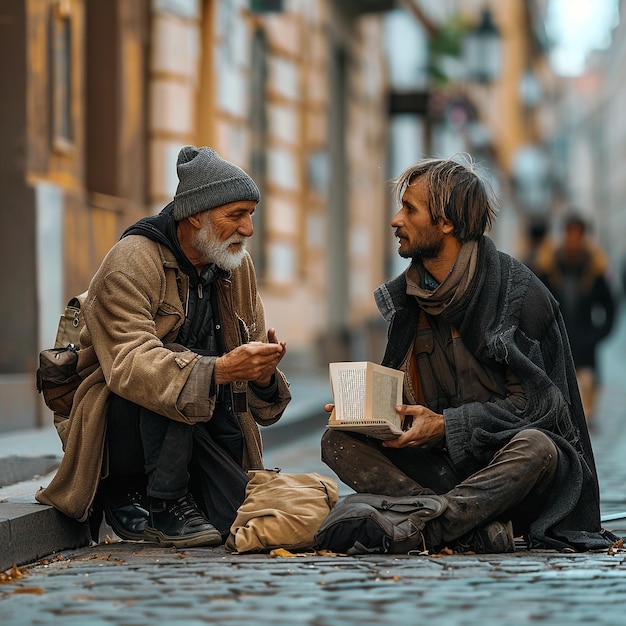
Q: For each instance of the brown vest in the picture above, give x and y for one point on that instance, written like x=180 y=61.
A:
x=443 y=373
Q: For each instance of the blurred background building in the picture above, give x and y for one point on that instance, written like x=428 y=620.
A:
x=322 y=101
x=589 y=142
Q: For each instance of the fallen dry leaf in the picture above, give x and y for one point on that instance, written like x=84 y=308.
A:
x=281 y=552
x=38 y=591
x=13 y=574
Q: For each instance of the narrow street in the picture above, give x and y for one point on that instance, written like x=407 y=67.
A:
x=135 y=583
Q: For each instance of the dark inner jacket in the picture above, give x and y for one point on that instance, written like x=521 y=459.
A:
x=507 y=316
x=200 y=331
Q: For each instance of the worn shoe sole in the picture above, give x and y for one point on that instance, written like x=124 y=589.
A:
x=207 y=538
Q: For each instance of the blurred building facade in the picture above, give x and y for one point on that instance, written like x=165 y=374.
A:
x=590 y=138
x=502 y=112
x=307 y=95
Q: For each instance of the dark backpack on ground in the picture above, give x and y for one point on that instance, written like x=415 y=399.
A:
x=366 y=523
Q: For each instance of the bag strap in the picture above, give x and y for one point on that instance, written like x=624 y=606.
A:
x=70 y=324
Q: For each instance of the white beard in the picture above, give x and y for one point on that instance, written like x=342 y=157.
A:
x=219 y=252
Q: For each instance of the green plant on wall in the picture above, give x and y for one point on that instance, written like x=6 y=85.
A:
x=445 y=43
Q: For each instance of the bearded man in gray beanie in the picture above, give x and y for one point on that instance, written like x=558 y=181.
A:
x=178 y=369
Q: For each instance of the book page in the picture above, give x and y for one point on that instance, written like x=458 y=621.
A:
x=385 y=397
x=348 y=386
x=366 y=393
x=365 y=396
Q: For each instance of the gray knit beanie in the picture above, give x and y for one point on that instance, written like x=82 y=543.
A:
x=207 y=181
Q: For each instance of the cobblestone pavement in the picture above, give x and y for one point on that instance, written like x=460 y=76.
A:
x=137 y=584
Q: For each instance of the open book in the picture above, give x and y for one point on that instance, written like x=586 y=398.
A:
x=366 y=395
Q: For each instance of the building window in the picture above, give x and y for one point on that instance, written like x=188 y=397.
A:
x=61 y=41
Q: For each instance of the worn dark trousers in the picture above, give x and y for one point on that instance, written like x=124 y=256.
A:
x=513 y=486
x=171 y=458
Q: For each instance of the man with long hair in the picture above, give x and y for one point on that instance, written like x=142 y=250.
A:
x=498 y=440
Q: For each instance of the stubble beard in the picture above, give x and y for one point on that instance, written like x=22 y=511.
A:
x=219 y=252
x=422 y=251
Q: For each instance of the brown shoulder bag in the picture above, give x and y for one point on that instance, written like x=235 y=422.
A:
x=57 y=378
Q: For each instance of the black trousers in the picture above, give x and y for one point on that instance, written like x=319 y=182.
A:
x=172 y=458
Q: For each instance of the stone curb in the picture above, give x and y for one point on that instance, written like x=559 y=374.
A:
x=31 y=531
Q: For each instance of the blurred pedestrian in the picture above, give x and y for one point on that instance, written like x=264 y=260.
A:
x=576 y=273
x=498 y=437
x=178 y=369
x=539 y=244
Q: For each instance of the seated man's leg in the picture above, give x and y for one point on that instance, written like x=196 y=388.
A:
x=360 y=463
x=175 y=519
x=521 y=473
x=514 y=486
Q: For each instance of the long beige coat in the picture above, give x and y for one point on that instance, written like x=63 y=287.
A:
x=136 y=305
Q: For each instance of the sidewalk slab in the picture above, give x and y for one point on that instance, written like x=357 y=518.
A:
x=31 y=442
x=15 y=469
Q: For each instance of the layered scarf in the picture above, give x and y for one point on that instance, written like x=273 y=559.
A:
x=453 y=286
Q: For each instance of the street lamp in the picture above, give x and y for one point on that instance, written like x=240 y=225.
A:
x=482 y=50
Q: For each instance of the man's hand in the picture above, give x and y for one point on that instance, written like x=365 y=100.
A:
x=426 y=427
x=255 y=361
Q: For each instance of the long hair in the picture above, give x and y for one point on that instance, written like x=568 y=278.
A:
x=456 y=191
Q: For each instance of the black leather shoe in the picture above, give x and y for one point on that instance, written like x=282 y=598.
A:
x=180 y=523
x=126 y=515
